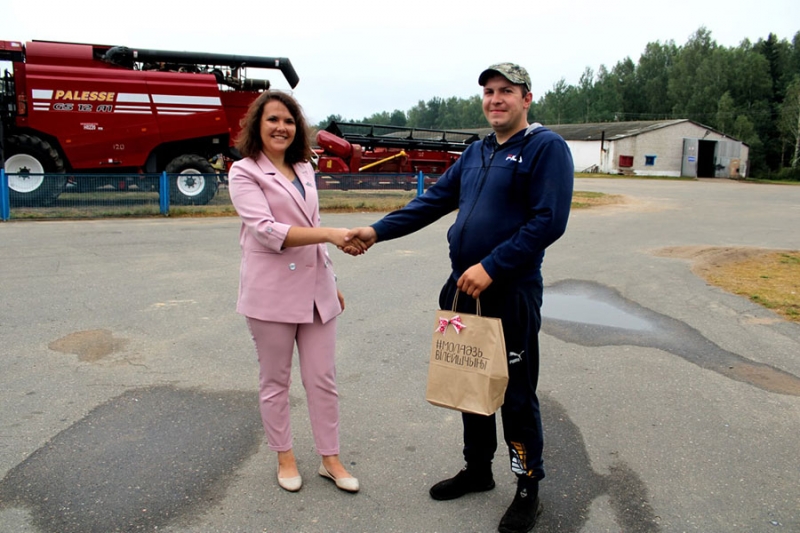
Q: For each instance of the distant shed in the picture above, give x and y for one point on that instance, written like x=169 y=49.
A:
x=679 y=147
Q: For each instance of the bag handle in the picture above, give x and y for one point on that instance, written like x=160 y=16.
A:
x=477 y=304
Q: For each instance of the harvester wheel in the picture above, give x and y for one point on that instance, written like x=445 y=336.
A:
x=27 y=156
x=195 y=183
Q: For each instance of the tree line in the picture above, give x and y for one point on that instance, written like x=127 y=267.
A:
x=750 y=92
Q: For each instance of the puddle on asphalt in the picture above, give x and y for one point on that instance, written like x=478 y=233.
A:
x=577 y=308
x=591 y=314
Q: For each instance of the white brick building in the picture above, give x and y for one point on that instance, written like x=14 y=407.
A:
x=653 y=148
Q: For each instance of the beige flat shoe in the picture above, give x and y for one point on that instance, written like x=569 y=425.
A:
x=347 y=484
x=292 y=484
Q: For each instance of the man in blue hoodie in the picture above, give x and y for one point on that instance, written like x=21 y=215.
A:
x=513 y=191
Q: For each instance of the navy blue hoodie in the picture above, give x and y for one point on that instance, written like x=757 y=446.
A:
x=513 y=201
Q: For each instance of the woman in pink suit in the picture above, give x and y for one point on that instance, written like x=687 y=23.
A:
x=287 y=288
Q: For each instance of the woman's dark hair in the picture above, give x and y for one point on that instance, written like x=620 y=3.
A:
x=249 y=140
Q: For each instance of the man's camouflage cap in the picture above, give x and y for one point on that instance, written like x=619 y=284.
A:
x=510 y=71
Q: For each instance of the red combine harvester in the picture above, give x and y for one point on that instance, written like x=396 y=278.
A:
x=102 y=111
x=353 y=156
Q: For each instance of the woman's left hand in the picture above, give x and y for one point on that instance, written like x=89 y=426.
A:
x=341 y=298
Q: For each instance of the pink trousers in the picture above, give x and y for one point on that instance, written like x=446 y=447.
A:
x=316 y=346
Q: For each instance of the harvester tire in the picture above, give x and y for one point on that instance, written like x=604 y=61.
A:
x=27 y=156
x=195 y=183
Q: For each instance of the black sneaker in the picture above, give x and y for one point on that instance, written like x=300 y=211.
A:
x=522 y=513
x=463 y=483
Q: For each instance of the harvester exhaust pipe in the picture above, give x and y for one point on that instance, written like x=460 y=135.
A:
x=122 y=55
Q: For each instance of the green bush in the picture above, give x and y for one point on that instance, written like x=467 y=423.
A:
x=788 y=174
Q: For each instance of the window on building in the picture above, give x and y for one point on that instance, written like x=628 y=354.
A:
x=625 y=161
x=649 y=160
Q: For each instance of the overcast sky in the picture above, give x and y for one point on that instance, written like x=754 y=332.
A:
x=356 y=58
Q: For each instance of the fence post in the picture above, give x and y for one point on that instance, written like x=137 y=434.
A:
x=420 y=184
x=5 y=206
x=163 y=194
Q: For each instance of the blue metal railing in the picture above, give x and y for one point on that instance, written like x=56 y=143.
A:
x=378 y=180
x=5 y=205
x=163 y=194
x=163 y=187
x=420 y=182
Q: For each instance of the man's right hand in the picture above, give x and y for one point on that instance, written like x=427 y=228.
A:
x=366 y=235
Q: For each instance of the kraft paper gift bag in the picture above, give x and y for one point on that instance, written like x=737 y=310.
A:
x=467 y=370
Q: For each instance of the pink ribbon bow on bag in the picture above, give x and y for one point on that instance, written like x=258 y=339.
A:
x=455 y=321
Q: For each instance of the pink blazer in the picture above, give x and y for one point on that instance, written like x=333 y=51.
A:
x=279 y=284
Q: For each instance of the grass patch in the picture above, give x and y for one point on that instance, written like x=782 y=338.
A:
x=187 y=211
x=634 y=177
x=95 y=204
x=124 y=204
x=333 y=201
x=771 y=280
x=586 y=199
x=769 y=182
x=380 y=201
x=77 y=213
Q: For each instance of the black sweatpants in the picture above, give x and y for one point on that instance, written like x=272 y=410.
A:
x=519 y=308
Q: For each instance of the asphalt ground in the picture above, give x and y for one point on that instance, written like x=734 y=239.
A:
x=128 y=382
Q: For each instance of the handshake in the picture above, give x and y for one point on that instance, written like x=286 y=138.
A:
x=354 y=241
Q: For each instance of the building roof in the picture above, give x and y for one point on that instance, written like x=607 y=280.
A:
x=613 y=130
